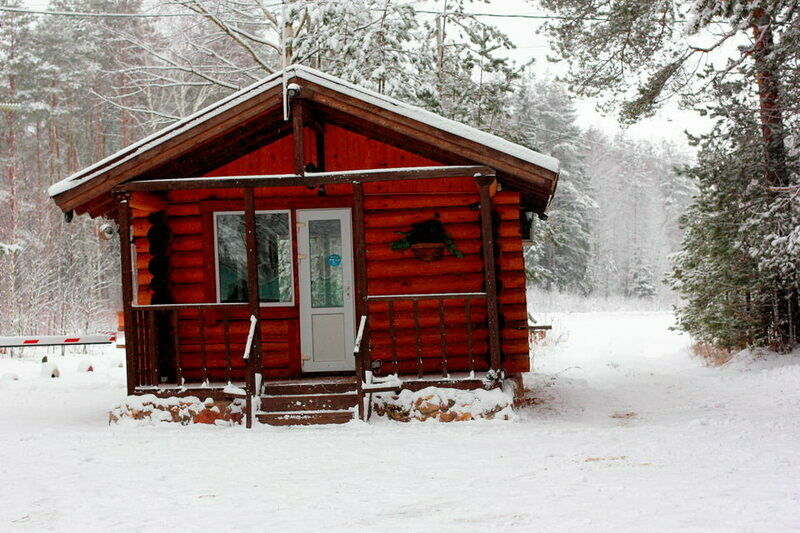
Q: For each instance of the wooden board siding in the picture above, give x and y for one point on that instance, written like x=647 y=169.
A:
x=389 y=207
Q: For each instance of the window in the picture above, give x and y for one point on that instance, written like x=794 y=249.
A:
x=274 y=257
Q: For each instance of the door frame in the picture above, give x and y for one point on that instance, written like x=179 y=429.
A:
x=305 y=311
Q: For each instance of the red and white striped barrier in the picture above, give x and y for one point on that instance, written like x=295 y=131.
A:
x=57 y=340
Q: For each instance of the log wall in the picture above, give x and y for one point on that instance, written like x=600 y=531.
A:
x=389 y=207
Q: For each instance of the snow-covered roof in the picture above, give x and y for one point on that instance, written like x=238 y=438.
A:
x=321 y=79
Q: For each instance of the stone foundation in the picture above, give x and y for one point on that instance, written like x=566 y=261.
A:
x=444 y=405
x=184 y=410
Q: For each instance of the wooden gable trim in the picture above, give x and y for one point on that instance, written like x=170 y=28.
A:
x=171 y=149
x=428 y=134
x=193 y=152
x=309 y=178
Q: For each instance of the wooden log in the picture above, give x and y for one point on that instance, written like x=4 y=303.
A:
x=142 y=245
x=512 y=280
x=432 y=365
x=184 y=243
x=506 y=197
x=404 y=218
x=411 y=267
x=457 y=231
x=270 y=329
x=418 y=201
x=140 y=227
x=147 y=201
x=443 y=185
x=513 y=312
x=425 y=304
x=144 y=295
x=187 y=275
x=407 y=352
x=178 y=196
x=508 y=229
x=143 y=260
x=429 y=336
x=517 y=363
x=429 y=319
x=302 y=192
x=508 y=212
x=509 y=334
x=182 y=210
x=189 y=293
x=382 y=251
x=432 y=284
x=511 y=262
x=510 y=245
x=143 y=277
x=511 y=297
x=188 y=259
x=185 y=225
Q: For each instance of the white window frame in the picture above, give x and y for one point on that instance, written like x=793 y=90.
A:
x=288 y=212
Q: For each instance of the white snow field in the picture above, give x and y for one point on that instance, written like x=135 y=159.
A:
x=633 y=434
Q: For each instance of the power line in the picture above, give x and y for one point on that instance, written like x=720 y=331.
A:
x=98 y=14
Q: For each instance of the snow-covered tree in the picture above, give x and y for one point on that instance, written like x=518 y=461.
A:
x=561 y=253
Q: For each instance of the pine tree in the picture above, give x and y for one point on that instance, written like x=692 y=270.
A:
x=642 y=284
x=737 y=271
x=562 y=250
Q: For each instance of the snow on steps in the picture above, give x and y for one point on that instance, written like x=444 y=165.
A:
x=320 y=402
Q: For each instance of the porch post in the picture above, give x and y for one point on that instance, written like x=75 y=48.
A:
x=362 y=305
x=487 y=238
x=124 y=220
x=251 y=243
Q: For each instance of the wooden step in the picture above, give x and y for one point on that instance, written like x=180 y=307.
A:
x=308 y=402
x=304 y=418
x=294 y=388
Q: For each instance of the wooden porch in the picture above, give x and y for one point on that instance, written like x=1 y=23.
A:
x=315 y=400
x=228 y=342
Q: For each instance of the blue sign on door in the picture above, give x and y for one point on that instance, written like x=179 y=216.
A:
x=334 y=260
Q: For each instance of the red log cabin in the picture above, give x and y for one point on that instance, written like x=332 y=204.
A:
x=257 y=248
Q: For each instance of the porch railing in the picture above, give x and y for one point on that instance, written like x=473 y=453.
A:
x=437 y=308
x=197 y=342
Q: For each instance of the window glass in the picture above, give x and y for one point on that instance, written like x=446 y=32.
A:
x=274 y=257
x=325 y=244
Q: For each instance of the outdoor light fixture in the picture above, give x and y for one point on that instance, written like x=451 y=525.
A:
x=322 y=191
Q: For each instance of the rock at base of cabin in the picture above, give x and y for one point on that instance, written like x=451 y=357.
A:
x=182 y=410
x=444 y=404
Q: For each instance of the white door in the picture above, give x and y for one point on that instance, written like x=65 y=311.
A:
x=327 y=312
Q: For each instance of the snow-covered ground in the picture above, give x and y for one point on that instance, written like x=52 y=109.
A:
x=632 y=434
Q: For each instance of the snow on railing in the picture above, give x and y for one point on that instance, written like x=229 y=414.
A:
x=250 y=334
x=360 y=335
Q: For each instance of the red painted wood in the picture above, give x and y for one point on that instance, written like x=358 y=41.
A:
x=389 y=207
